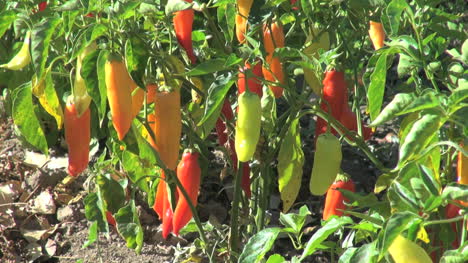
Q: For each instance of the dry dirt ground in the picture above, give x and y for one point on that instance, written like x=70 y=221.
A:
x=42 y=215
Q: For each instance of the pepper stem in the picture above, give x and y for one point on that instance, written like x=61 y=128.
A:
x=234 y=231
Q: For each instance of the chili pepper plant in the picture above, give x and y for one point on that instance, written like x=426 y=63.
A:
x=284 y=90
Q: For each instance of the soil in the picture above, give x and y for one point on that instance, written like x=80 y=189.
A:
x=30 y=232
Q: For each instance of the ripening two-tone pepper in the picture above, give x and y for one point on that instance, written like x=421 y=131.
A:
x=167 y=129
x=376 y=34
x=243 y=7
x=168 y=126
x=183 y=22
x=273 y=37
x=78 y=137
x=247 y=125
x=335 y=200
x=22 y=58
x=119 y=94
x=327 y=161
x=80 y=92
x=189 y=175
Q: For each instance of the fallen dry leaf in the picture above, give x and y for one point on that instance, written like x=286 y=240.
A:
x=51 y=247
x=43 y=204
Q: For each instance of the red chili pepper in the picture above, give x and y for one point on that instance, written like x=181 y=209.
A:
x=335 y=199
x=336 y=94
x=42 y=5
x=161 y=195
x=335 y=91
x=110 y=219
x=254 y=83
x=189 y=173
x=167 y=219
x=293 y=2
x=77 y=136
x=183 y=22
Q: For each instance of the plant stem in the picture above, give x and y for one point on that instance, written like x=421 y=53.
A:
x=443 y=221
x=213 y=27
x=234 y=231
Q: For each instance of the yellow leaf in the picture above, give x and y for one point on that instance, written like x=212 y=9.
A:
x=45 y=92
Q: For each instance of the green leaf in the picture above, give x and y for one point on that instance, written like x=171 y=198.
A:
x=318 y=237
x=356 y=199
x=26 y=120
x=148 y=9
x=376 y=89
x=426 y=101
x=40 y=41
x=419 y=136
x=406 y=65
x=396 y=224
x=276 y=258
x=7 y=17
x=92 y=234
x=226 y=14
x=430 y=180
x=125 y=10
x=136 y=58
x=70 y=5
x=295 y=221
x=406 y=195
x=365 y=253
x=432 y=203
x=136 y=168
x=453 y=256
x=392 y=16
x=406 y=125
x=290 y=163
x=210 y=66
x=458 y=95
x=454 y=191
x=176 y=5
x=101 y=76
x=258 y=245
x=112 y=192
x=347 y=255
x=129 y=227
x=95 y=211
x=399 y=102
x=383 y=182
x=216 y=95
x=89 y=36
